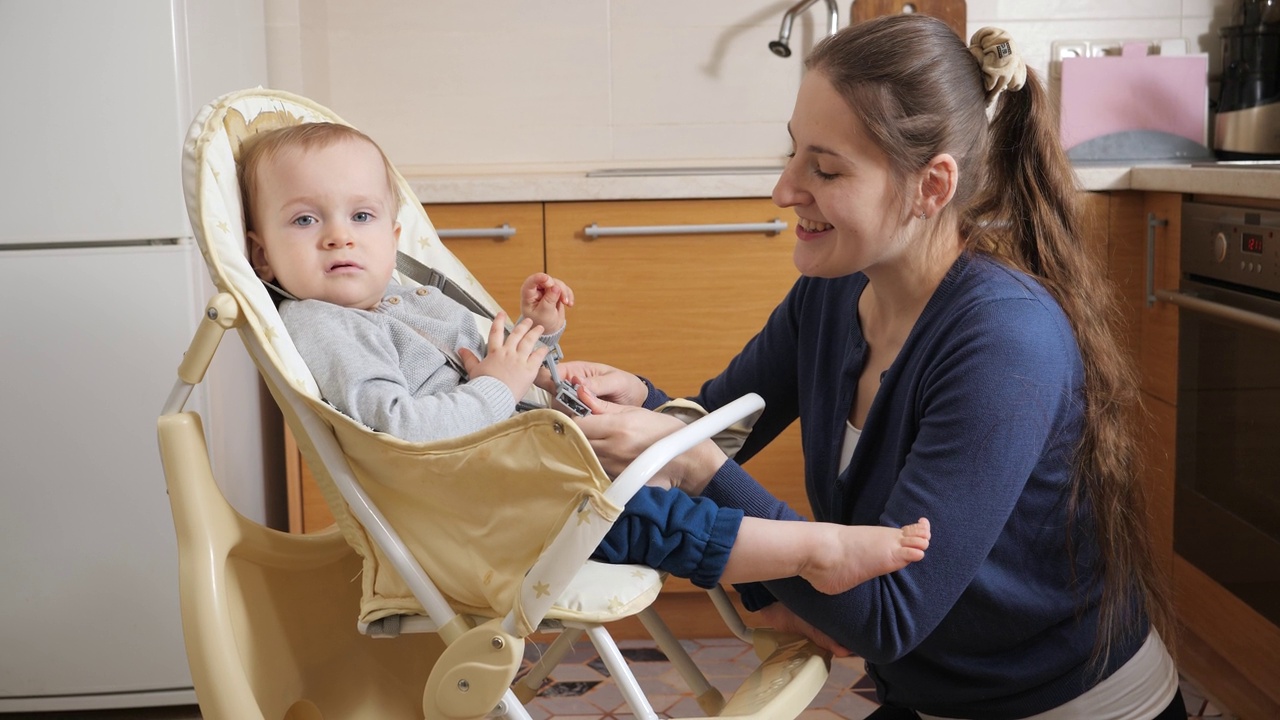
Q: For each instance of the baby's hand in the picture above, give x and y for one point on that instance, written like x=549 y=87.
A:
x=543 y=299
x=514 y=360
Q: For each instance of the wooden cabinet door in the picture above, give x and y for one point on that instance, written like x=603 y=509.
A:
x=499 y=263
x=676 y=308
x=1158 y=359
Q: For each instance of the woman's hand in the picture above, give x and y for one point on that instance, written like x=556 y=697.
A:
x=619 y=433
x=605 y=382
x=780 y=618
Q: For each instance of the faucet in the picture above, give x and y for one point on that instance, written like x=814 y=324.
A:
x=780 y=47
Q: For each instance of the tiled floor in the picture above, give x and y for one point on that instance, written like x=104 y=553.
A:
x=580 y=688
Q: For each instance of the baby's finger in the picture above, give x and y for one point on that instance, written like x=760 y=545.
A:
x=469 y=360
x=497 y=330
x=518 y=332
x=539 y=354
x=529 y=340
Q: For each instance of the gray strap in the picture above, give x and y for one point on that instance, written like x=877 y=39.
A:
x=425 y=275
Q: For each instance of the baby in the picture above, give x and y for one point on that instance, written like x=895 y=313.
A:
x=320 y=209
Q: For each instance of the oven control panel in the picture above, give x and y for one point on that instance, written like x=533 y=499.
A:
x=1233 y=244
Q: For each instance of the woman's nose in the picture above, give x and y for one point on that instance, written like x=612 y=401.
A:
x=785 y=191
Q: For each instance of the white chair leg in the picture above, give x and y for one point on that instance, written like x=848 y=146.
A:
x=622 y=674
x=510 y=708
x=527 y=688
x=709 y=698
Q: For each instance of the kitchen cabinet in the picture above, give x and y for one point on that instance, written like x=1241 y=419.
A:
x=1135 y=221
x=1229 y=650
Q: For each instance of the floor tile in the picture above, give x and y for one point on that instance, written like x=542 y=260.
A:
x=848 y=695
x=580 y=689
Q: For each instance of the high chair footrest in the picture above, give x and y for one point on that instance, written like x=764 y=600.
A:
x=782 y=686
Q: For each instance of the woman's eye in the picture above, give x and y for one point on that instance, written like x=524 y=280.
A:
x=362 y=217
x=817 y=172
x=304 y=221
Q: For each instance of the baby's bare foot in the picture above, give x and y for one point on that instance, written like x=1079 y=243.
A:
x=857 y=553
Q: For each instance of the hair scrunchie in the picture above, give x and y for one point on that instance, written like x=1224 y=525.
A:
x=1002 y=64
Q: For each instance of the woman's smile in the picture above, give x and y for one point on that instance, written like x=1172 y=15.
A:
x=808 y=230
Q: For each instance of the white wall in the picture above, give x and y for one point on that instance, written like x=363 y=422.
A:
x=465 y=86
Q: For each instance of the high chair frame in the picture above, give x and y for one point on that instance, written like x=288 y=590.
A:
x=459 y=660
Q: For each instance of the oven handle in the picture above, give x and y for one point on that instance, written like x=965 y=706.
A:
x=1153 y=222
x=1218 y=310
x=1191 y=302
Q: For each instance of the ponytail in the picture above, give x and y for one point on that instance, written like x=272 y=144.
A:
x=1031 y=219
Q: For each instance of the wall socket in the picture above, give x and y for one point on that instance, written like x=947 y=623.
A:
x=1059 y=50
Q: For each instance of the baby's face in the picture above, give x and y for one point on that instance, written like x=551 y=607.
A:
x=326 y=224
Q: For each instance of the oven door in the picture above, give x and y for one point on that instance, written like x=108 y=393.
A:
x=1227 y=497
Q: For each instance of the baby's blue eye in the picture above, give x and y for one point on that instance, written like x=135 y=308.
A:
x=304 y=221
x=362 y=216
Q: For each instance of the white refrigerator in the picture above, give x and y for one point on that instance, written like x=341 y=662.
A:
x=101 y=287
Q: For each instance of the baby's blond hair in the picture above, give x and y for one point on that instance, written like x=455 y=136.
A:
x=261 y=148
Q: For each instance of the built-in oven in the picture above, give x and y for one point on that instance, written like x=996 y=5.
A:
x=1227 y=488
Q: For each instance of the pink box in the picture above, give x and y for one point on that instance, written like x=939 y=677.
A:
x=1134 y=91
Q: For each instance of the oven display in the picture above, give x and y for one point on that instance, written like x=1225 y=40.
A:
x=1251 y=243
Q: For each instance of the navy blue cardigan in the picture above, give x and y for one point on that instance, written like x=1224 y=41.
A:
x=975 y=427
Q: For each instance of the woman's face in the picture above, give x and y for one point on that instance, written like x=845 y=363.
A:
x=839 y=184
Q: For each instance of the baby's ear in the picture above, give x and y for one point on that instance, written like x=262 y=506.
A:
x=258 y=258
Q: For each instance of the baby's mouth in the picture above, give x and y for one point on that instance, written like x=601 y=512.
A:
x=344 y=265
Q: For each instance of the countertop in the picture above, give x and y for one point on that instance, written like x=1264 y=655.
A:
x=675 y=183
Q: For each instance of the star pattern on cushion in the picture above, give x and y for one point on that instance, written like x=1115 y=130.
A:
x=540 y=589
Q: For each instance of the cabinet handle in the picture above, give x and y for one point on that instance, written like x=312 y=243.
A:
x=1152 y=223
x=503 y=231
x=1218 y=310
x=769 y=228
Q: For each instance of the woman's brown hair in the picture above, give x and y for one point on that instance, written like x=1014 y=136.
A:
x=919 y=93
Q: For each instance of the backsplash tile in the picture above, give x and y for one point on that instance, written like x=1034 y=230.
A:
x=589 y=83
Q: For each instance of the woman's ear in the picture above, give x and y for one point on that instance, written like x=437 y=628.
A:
x=938 y=182
x=258 y=258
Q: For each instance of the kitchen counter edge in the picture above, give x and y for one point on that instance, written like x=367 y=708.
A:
x=574 y=186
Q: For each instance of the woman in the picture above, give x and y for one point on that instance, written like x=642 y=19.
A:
x=949 y=351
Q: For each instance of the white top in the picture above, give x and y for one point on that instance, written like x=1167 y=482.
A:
x=851 y=435
x=1139 y=690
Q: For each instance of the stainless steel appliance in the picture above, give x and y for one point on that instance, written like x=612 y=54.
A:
x=1227 y=496
x=101 y=285
x=1247 y=124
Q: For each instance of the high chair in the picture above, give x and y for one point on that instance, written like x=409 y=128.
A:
x=446 y=555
